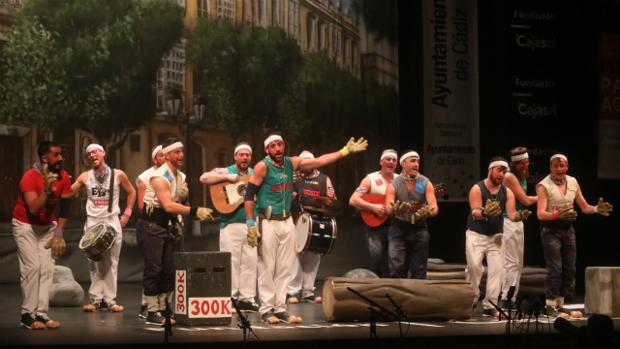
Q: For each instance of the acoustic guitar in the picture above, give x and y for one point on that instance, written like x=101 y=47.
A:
x=227 y=196
x=373 y=220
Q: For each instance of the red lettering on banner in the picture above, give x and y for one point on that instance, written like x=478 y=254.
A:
x=209 y=307
x=225 y=307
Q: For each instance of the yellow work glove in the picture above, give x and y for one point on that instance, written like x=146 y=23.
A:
x=354 y=146
x=57 y=244
x=603 y=208
x=252 y=232
x=400 y=207
x=567 y=213
x=204 y=213
x=491 y=208
x=182 y=192
x=522 y=215
x=423 y=213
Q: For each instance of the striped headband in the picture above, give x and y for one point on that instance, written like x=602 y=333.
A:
x=156 y=150
x=273 y=138
x=94 y=146
x=408 y=155
x=519 y=157
x=242 y=146
x=171 y=147
x=496 y=163
x=558 y=156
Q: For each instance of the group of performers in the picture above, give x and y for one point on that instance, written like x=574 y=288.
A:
x=260 y=233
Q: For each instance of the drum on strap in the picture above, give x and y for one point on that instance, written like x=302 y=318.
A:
x=96 y=240
x=315 y=233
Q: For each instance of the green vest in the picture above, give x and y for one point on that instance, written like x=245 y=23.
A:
x=277 y=188
x=239 y=215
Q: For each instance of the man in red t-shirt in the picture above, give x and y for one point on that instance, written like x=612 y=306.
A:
x=39 y=234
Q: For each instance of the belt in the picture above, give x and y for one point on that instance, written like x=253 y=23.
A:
x=159 y=216
x=274 y=217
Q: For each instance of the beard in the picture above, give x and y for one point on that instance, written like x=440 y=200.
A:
x=55 y=168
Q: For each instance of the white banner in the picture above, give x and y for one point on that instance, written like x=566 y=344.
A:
x=450 y=90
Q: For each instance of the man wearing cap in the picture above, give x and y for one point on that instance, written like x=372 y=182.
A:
x=556 y=195
x=272 y=184
x=157 y=159
x=103 y=190
x=483 y=238
x=234 y=232
x=410 y=198
x=311 y=183
x=155 y=239
x=516 y=181
x=38 y=232
x=377 y=237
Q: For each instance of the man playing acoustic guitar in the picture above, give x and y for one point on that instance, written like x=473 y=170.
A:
x=233 y=231
x=410 y=198
x=376 y=184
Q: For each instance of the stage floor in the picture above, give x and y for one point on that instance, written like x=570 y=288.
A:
x=104 y=328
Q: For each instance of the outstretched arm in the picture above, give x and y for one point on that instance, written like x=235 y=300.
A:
x=218 y=175
x=352 y=146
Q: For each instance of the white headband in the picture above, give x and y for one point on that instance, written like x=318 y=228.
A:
x=408 y=155
x=389 y=153
x=242 y=146
x=498 y=163
x=156 y=151
x=171 y=147
x=94 y=146
x=559 y=156
x=273 y=138
x=306 y=155
x=519 y=157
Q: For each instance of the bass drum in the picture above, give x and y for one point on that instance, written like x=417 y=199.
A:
x=315 y=233
x=96 y=240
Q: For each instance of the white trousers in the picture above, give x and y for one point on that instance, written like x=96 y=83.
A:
x=478 y=246
x=303 y=274
x=36 y=265
x=243 y=261
x=513 y=256
x=274 y=263
x=104 y=273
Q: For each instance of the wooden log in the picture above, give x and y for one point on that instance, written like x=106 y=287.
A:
x=419 y=299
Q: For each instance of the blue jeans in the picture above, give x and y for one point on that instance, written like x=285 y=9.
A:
x=408 y=250
x=560 y=248
x=378 y=249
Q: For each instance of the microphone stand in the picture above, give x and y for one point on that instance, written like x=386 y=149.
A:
x=372 y=307
x=399 y=313
x=244 y=323
x=167 y=322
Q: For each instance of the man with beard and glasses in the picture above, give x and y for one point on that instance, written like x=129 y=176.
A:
x=556 y=195
x=488 y=199
x=272 y=184
x=410 y=198
x=103 y=185
x=36 y=229
x=377 y=237
x=234 y=232
x=156 y=240
x=514 y=236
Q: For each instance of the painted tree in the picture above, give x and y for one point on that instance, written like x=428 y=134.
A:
x=244 y=72
x=88 y=64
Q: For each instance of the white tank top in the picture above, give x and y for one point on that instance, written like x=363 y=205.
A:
x=378 y=184
x=150 y=198
x=97 y=202
x=146 y=175
x=555 y=198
